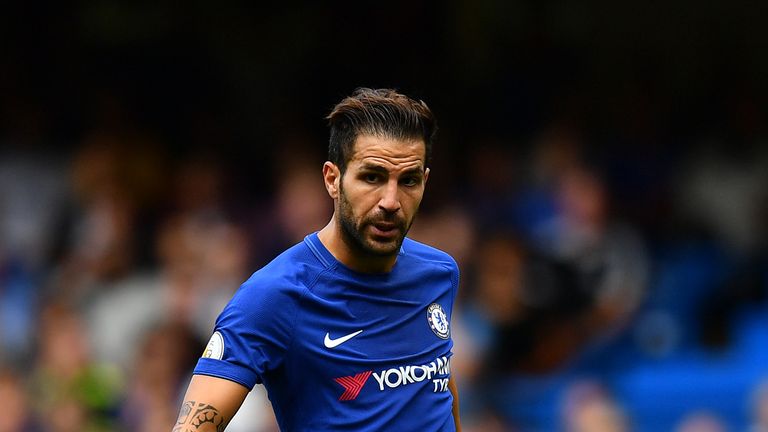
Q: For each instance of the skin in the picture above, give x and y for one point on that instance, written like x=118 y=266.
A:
x=209 y=404
x=375 y=202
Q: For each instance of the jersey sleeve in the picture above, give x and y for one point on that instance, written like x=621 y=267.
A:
x=455 y=278
x=251 y=335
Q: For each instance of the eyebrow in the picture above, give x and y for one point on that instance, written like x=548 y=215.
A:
x=372 y=167
x=379 y=168
x=411 y=171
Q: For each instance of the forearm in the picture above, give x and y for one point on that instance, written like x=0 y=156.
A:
x=209 y=405
x=199 y=417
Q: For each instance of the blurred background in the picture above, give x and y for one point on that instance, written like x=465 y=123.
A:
x=600 y=175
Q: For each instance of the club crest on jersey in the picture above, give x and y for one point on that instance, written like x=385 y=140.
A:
x=215 y=347
x=438 y=320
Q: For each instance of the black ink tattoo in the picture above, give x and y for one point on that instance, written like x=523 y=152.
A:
x=199 y=417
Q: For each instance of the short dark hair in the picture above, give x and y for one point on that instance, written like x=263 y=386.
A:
x=378 y=112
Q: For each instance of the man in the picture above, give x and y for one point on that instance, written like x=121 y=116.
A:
x=349 y=329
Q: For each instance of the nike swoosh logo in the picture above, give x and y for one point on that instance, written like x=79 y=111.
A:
x=333 y=343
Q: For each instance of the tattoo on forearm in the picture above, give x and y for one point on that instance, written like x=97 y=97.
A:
x=199 y=417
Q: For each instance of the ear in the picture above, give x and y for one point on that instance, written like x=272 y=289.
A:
x=426 y=175
x=331 y=177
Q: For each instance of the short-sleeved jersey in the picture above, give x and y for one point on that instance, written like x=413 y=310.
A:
x=339 y=350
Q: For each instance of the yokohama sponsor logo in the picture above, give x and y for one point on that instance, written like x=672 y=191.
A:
x=436 y=372
x=405 y=375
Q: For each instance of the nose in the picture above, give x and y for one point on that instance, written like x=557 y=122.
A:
x=390 y=199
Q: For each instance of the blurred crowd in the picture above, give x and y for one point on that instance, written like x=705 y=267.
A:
x=117 y=255
x=600 y=175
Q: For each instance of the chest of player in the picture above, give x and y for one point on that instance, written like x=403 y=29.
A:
x=400 y=333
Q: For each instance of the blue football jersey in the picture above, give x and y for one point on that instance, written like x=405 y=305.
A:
x=339 y=350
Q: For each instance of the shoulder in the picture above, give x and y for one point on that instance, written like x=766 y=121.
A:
x=432 y=267
x=420 y=252
x=284 y=279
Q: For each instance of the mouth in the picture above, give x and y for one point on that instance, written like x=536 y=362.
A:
x=385 y=229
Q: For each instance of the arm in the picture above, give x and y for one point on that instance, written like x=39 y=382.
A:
x=455 y=392
x=210 y=403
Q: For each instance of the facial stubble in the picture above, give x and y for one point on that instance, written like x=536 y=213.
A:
x=354 y=235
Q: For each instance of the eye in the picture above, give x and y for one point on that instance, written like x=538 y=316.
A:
x=371 y=177
x=411 y=181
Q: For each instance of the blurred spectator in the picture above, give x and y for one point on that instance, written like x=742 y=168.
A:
x=116 y=180
x=33 y=193
x=202 y=258
x=490 y=176
x=115 y=177
x=302 y=204
x=298 y=205
x=759 y=408
x=588 y=237
x=722 y=189
x=499 y=289
x=19 y=297
x=577 y=226
x=485 y=422
x=588 y=407
x=120 y=313
x=203 y=261
x=157 y=375
x=33 y=186
x=545 y=308
x=449 y=227
x=69 y=391
x=16 y=409
x=497 y=304
x=203 y=254
x=701 y=422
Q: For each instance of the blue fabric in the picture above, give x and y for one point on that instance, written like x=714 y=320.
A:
x=391 y=376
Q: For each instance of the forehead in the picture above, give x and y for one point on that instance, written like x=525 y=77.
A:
x=378 y=150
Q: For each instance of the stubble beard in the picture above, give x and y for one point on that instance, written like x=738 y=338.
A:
x=354 y=234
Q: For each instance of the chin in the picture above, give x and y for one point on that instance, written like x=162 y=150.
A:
x=384 y=248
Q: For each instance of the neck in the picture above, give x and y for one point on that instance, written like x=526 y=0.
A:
x=351 y=256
